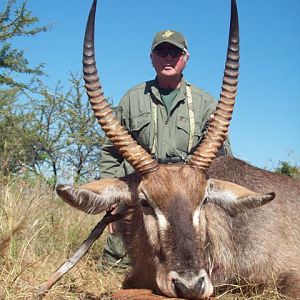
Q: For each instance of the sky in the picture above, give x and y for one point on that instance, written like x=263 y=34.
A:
x=265 y=127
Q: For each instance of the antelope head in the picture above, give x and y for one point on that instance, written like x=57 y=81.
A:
x=169 y=199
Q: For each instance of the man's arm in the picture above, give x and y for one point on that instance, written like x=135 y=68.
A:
x=112 y=164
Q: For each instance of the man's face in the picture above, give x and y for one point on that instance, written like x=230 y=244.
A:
x=168 y=60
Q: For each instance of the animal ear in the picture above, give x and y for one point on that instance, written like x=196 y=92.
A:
x=96 y=196
x=234 y=198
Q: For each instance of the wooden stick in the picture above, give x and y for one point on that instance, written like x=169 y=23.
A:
x=83 y=249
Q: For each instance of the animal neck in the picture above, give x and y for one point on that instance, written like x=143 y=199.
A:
x=220 y=249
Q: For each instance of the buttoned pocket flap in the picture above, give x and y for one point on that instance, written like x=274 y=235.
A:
x=138 y=122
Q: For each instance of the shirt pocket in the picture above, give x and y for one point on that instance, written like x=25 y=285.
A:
x=198 y=135
x=140 y=129
x=182 y=133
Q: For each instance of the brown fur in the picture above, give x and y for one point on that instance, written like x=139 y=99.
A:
x=262 y=245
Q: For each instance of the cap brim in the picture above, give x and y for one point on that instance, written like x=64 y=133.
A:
x=178 y=45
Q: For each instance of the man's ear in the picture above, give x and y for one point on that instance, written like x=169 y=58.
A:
x=151 y=58
x=186 y=56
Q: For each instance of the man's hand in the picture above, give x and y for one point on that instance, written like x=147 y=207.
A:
x=112 y=228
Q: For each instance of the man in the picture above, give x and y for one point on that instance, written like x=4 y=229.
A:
x=167 y=116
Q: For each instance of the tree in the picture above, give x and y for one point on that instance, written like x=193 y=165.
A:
x=16 y=136
x=46 y=132
x=84 y=136
x=15 y=22
x=67 y=138
x=49 y=128
x=286 y=168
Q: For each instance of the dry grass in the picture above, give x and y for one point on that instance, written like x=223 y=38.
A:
x=38 y=233
x=248 y=291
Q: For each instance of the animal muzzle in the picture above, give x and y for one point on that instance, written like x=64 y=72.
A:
x=194 y=292
x=188 y=286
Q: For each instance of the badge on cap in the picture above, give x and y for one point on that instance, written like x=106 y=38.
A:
x=167 y=34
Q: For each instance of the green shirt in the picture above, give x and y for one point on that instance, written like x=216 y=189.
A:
x=135 y=112
x=168 y=96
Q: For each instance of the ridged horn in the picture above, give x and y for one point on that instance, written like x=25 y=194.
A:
x=138 y=157
x=218 y=128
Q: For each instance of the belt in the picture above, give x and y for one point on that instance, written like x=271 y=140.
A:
x=170 y=160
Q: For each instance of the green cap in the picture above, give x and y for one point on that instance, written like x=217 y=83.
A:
x=169 y=36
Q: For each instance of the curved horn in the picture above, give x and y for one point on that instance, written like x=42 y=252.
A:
x=218 y=128
x=138 y=157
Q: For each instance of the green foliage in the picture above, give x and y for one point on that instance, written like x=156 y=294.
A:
x=286 y=168
x=16 y=134
x=44 y=132
x=53 y=134
x=16 y=21
x=83 y=135
x=69 y=138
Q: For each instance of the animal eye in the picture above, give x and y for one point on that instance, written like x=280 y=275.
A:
x=204 y=201
x=144 y=203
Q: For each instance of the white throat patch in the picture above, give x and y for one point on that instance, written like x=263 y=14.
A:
x=162 y=221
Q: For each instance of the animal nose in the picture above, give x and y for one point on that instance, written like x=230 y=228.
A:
x=193 y=293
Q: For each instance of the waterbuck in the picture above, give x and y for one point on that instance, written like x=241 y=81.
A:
x=189 y=227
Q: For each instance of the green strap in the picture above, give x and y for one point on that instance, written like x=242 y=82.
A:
x=191 y=119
